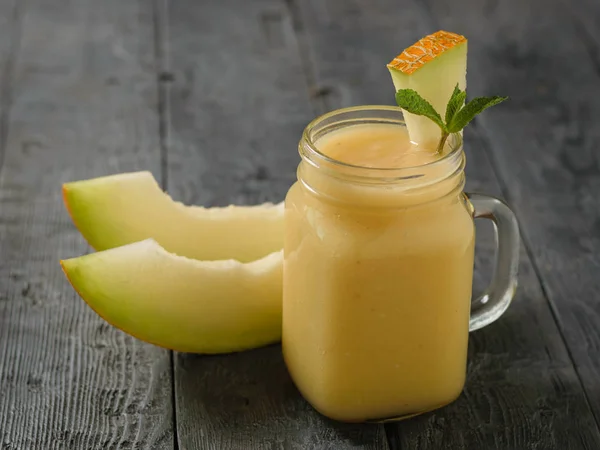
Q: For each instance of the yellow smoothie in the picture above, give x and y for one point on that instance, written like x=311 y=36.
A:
x=377 y=275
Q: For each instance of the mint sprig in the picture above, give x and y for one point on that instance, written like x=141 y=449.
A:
x=456 y=102
x=412 y=102
x=458 y=114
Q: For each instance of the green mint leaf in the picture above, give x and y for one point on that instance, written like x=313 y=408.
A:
x=457 y=100
x=411 y=101
x=470 y=110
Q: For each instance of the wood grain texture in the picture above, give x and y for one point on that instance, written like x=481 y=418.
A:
x=544 y=144
x=248 y=401
x=83 y=104
x=11 y=19
x=522 y=390
x=238 y=104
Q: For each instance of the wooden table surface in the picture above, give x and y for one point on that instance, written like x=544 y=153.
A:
x=212 y=96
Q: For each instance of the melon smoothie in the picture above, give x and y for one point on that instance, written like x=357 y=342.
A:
x=378 y=256
x=377 y=288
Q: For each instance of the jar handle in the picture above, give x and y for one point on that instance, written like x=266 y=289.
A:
x=497 y=297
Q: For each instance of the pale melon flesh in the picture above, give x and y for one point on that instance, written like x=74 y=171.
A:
x=180 y=303
x=122 y=209
x=435 y=82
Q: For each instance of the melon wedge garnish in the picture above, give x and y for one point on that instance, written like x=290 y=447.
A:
x=433 y=66
x=179 y=303
x=121 y=209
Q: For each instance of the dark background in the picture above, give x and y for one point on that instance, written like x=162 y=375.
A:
x=212 y=96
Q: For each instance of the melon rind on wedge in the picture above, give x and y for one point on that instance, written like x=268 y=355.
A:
x=179 y=303
x=432 y=67
x=121 y=209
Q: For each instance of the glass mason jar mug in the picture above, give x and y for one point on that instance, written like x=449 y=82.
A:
x=378 y=269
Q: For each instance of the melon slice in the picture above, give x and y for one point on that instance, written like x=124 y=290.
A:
x=179 y=303
x=121 y=209
x=432 y=67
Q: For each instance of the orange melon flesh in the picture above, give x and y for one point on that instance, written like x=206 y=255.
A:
x=121 y=209
x=432 y=67
x=179 y=303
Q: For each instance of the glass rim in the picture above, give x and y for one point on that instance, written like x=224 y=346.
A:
x=455 y=142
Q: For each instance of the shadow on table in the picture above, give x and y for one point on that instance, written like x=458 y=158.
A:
x=251 y=395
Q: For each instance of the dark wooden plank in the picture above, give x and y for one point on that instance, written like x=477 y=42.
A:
x=11 y=19
x=522 y=390
x=83 y=105
x=544 y=145
x=248 y=401
x=238 y=105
